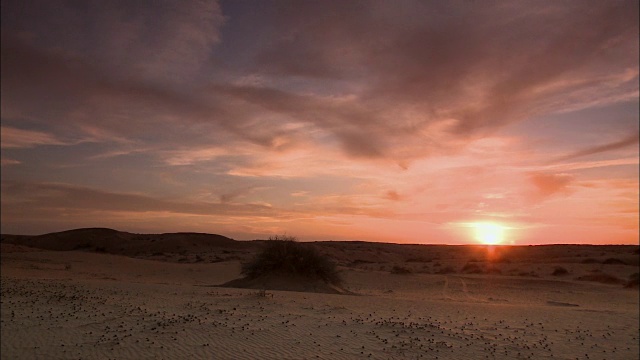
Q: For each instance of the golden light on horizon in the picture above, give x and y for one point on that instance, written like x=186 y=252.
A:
x=489 y=233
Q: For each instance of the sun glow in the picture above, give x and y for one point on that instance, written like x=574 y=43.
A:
x=488 y=233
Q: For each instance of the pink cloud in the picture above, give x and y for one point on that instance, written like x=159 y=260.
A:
x=550 y=184
x=9 y=162
x=13 y=138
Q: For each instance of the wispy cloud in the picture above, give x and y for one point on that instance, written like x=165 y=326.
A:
x=615 y=145
x=66 y=197
x=316 y=115
x=9 y=162
x=13 y=138
x=391 y=84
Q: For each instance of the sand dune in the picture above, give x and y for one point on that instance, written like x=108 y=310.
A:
x=80 y=304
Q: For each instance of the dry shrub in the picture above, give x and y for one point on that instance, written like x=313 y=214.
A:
x=590 y=261
x=633 y=282
x=471 y=268
x=601 y=278
x=503 y=260
x=285 y=255
x=610 y=261
x=559 y=270
x=400 y=270
x=446 y=270
x=528 y=273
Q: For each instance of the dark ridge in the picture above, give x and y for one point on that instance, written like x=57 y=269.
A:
x=124 y=243
x=84 y=230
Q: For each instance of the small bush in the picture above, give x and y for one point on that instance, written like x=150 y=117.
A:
x=285 y=255
x=528 y=273
x=559 y=270
x=590 y=261
x=633 y=282
x=446 y=270
x=502 y=260
x=400 y=270
x=263 y=293
x=601 y=278
x=611 y=261
x=472 y=268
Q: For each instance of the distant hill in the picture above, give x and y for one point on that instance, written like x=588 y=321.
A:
x=200 y=247
x=124 y=243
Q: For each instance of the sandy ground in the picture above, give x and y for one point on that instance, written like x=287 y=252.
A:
x=81 y=305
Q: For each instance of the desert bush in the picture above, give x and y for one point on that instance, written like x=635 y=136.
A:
x=601 y=278
x=503 y=260
x=528 y=273
x=633 y=282
x=262 y=293
x=610 y=261
x=590 y=261
x=285 y=255
x=559 y=270
x=471 y=268
x=446 y=270
x=400 y=270
x=360 y=261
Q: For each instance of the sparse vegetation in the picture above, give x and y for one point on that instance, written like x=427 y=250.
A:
x=528 y=273
x=263 y=293
x=633 y=282
x=400 y=270
x=590 y=261
x=446 y=270
x=601 y=278
x=559 y=271
x=611 y=261
x=285 y=255
x=472 y=268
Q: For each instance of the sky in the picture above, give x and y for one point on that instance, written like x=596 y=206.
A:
x=437 y=122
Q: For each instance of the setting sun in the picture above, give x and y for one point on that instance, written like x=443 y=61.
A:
x=489 y=233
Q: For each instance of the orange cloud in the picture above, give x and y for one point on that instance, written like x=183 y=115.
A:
x=550 y=184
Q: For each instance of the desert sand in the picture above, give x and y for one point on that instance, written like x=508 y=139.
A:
x=408 y=302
